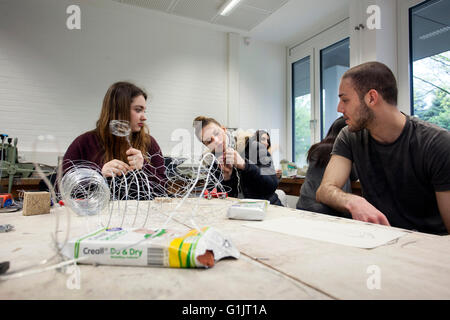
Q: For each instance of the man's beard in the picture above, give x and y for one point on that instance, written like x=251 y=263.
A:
x=365 y=117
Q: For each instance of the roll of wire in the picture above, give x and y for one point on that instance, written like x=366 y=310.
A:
x=85 y=191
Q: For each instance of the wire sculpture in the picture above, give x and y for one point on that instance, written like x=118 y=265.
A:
x=136 y=199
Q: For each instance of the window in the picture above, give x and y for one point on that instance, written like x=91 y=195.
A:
x=301 y=108
x=334 y=61
x=429 y=32
x=314 y=69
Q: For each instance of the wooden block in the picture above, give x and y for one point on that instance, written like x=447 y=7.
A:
x=36 y=203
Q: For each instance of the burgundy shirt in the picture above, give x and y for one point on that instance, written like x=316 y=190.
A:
x=87 y=147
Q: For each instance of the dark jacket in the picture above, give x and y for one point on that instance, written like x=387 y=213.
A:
x=258 y=179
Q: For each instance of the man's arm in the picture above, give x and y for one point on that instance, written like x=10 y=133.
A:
x=330 y=193
x=443 y=200
x=330 y=190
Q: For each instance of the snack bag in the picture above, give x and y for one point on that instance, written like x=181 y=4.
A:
x=155 y=248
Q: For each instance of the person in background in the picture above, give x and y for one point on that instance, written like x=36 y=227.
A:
x=112 y=154
x=249 y=174
x=264 y=137
x=317 y=157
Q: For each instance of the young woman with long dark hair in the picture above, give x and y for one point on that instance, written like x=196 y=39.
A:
x=317 y=157
x=113 y=154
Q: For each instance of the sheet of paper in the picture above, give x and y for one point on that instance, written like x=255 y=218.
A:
x=349 y=234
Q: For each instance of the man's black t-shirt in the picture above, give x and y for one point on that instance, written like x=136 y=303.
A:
x=400 y=179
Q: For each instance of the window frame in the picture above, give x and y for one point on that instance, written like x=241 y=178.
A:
x=334 y=34
x=303 y=54
x=410 y=56
x=404 y=49
x=321 y=132
x=310 y=56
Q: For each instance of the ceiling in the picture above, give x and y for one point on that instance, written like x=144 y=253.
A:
x=247 y=15
x=278 y=21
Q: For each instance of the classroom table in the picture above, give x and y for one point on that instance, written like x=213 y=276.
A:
x=271 y=265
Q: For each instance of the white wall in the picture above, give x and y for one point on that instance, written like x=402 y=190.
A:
x=373 y=44
x=52 y=80
x=262 y=92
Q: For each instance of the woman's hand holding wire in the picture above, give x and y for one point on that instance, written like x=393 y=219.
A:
x=135 y=159
x=233 y=158
x=115 y=168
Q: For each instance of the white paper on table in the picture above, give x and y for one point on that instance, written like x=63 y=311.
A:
x=349 y=234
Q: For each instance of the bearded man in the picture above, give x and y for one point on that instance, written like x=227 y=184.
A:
x=403 y=163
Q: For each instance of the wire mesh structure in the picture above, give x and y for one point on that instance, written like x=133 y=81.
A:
x=138 y=199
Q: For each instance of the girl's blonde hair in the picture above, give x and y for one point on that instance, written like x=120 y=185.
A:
x=204 y=122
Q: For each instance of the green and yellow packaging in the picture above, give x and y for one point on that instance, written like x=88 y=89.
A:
x=156 y=248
